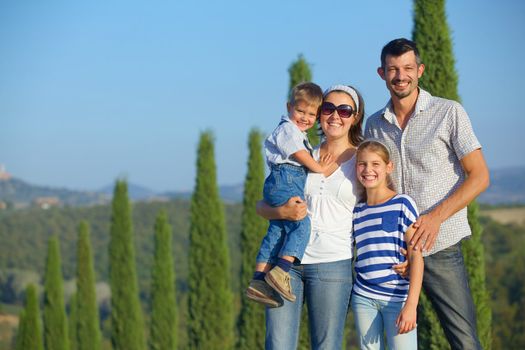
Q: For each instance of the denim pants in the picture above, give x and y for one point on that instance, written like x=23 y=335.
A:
x=376 y=318
x=326 y=289
x=284 y=237
x=445 y=282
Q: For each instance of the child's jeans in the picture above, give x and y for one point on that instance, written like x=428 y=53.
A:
x=375 y=319
x=284 y=238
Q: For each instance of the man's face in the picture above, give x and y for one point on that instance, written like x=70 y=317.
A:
x=401 y=74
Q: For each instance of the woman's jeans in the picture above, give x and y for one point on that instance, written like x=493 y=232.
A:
x=375 y=318
x=326 y=289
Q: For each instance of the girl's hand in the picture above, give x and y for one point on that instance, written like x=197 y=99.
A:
x=406 y=321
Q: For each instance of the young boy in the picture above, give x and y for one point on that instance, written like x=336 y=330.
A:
x=288 y=154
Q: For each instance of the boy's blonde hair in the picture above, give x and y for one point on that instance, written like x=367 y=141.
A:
x=307 y=92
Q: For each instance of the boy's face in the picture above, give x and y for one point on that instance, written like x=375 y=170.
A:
x=303 y=114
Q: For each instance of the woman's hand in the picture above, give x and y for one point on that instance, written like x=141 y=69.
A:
x=293 y=210
x=402 y=269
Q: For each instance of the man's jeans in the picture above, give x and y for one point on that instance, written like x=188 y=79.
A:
x=445 y=282
x=284 y=237
x=376 y=318
x=326 y=288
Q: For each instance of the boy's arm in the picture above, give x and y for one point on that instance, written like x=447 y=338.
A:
x=406 y=321
x=304 y=158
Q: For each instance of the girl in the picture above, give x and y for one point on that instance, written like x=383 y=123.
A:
x=383 y=302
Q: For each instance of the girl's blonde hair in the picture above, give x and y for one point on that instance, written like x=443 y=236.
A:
x=381 y=150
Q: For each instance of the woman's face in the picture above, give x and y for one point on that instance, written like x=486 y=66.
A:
x=333 y=125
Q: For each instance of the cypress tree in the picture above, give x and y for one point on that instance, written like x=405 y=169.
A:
x=251 y=320
x=72 y=323
x=210 y=307
x=87 y=325
x=300 y=72
x=127 y=325
x=163 y=331
x=474 y=253
x=29 y=336
x=432 y=35
x=55 y=321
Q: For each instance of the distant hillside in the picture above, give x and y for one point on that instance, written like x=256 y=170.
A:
x=507 y=186
x=19 y=193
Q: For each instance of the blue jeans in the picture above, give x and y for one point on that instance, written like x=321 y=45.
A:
x=326 y=289
x=284 y=237
x=375 y=318
x=445 y=282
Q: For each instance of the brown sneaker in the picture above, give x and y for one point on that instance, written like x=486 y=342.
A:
x=280 y=282
x=261 y=292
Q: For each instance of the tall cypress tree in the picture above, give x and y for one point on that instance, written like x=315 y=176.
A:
x=210 y=307
x=163 y=330
x=29 y=335
x=56 y=336
x=432 y=35
x=72 y=322
x=300 y=72
x=251 y=320
x=87 y=324
x=127 y=325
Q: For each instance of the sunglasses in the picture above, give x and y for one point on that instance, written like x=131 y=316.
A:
x=344 y=111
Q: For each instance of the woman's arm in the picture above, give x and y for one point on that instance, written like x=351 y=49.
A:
x=406 y=321
x=293 y=210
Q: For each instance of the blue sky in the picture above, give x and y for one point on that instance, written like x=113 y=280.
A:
x=93 y=90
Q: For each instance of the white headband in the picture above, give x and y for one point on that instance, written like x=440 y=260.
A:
x=350 y=91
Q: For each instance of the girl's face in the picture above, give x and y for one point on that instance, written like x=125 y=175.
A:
x=372 y=170
x=333 y=125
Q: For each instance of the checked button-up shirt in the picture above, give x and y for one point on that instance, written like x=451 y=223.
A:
x=426 y=156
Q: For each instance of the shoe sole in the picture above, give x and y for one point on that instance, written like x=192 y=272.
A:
x=254 y=295
x=275 y=286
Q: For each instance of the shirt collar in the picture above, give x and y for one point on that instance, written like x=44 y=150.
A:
x=423 y=100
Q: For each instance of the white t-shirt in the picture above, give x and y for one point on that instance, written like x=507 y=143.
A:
x=331 y=202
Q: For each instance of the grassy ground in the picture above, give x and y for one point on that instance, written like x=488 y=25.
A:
x=514 y=215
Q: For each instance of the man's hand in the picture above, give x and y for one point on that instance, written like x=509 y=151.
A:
x=427 y=229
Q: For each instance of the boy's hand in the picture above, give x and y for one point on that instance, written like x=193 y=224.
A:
x=325 y=161
x=406 y=321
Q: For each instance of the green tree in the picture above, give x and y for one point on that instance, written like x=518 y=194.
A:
x=87 y=324
x=127 y=325
x=210 y=302
x=432 y=35
x=300 y=72
x=253 y=227
x=163 y=331
x=29 y=336
x=56 y=336
x=72 y=323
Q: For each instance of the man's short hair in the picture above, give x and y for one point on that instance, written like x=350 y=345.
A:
x=398 y=47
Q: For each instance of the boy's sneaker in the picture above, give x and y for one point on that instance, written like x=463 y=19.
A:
x=279 y=280
x=261 y=292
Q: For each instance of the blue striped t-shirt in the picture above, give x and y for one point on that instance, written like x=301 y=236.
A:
x=379 y=233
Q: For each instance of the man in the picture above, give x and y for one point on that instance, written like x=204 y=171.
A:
x=438 y=162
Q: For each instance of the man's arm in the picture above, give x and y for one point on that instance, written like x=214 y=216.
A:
x=477 y=181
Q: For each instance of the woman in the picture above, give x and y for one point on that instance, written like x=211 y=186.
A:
x=324 y=277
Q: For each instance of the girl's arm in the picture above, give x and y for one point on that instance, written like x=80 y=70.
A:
x=293 y=210
x=406 y=321
x=306 y=159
